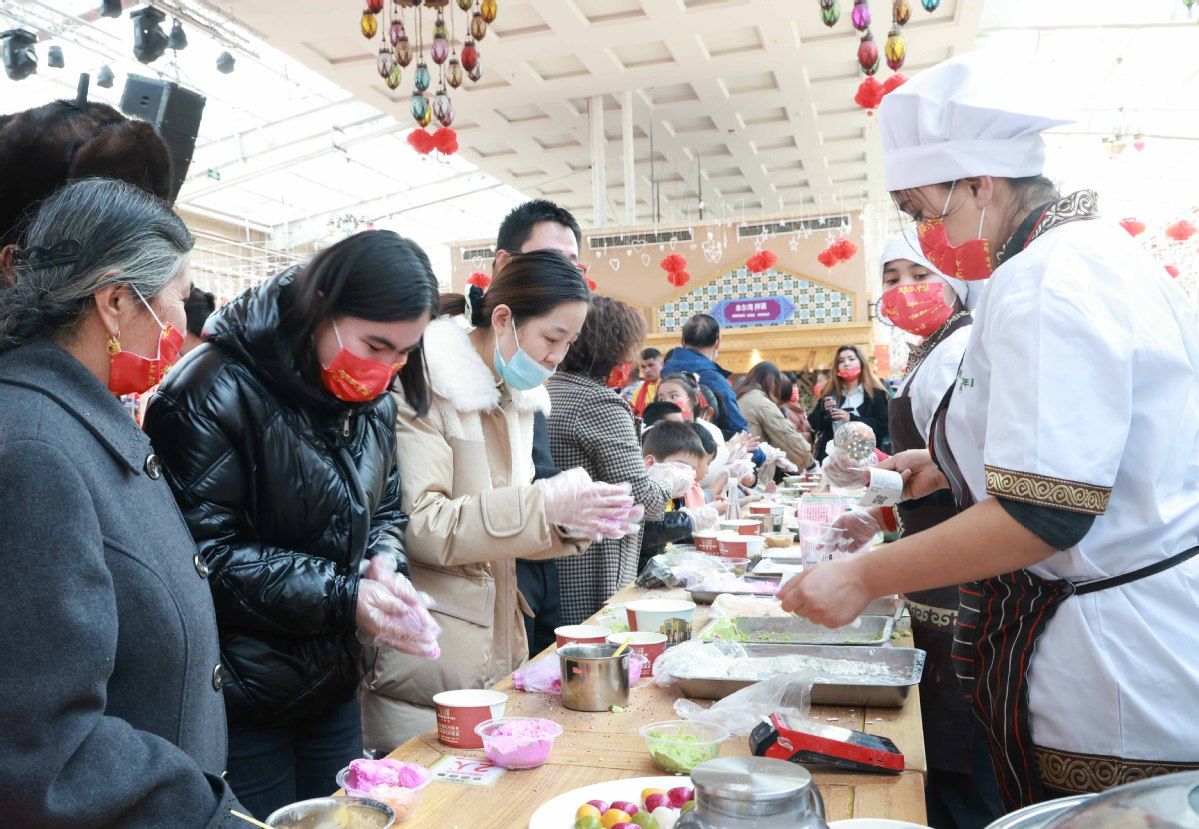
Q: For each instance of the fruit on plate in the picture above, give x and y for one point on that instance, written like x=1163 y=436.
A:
x=687 y=807
x=587 y=810
x=601 y=805
x=666 y=817
x=612 y=817
x=645 y=820
x=625 y=806
x=645 y=793
x=588 y=822
x=654 y=800
x=680 y=796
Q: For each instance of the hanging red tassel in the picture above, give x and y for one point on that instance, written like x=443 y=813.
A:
x=479 y=280
x=843 y=250
x=827 y=258
x=446 y=141
x=672 y=262
x=761 y=261
x=421 y=141
x=1135 y=227
x=1181 y=230
x=870 y=94
x=894 y=82
x=678 y=278
x=1172 y=270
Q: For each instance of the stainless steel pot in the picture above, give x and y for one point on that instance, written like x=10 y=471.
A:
x=340 y=812
x=753 y=793
x=592 y=679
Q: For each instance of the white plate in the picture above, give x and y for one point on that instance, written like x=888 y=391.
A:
x=559 y=813
x=874 y=823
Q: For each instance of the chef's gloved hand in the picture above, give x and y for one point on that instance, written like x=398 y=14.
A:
x=859 y=527
x=846 y=472
x=779 y=457
x=703 y=518
x=676 y=477
x=391 y=612
x=585 y=508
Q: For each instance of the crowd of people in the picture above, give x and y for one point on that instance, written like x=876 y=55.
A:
x=352 y=492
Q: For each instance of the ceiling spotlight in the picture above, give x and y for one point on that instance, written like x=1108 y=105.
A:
x=178 y=38
x=20 y=61
x=105 y=77
x=54 y=57
x=110 y=8
x=149 y=40
x=225 y=63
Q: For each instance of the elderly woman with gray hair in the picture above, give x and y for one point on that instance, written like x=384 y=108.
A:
x=113 y=712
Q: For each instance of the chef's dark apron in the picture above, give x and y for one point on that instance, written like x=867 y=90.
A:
x=948 y=721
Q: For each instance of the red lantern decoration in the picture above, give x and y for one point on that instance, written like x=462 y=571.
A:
x=421 y=141
x=673 y=262
x=868 y=54
x=1135 y=227
x=678 y=278
x=761 y=261
x=470 y=55
x=826 y=258
x=479 y=280
x=445 y=141
x=1181 y=230
x=870 y=94
x=1172 y=270
x=374 y=6
x=894 y=82
x=843 y=250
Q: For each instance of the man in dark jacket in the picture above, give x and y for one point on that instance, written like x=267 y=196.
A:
x=701 y=346
x=539 y=225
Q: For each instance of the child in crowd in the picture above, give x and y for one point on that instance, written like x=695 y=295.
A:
x=668 y=442
x=658 y=411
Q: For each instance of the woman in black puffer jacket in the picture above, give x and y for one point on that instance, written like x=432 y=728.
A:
x=278 y=436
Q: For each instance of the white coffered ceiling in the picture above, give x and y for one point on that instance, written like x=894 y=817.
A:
x=755 y=96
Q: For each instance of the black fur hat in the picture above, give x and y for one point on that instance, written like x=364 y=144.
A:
x=43 y=148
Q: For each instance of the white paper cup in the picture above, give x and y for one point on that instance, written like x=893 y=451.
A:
x=670 y=617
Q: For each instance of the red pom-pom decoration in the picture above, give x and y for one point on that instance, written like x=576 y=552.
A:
x=843 y=250
x=870 y=93
x=894 y=82
x=591 y=286
x=1172 y=270
x=1181 y=230
x=446 y=141
x=479 y=280
x=1135 y=227
x=673 y=262
x=761 y=261
x=678 y=278
x=421 y=141
x=827 y=258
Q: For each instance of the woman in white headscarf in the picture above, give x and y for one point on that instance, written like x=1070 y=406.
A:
x=1070 y=440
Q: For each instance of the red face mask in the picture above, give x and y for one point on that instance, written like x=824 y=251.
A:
x=970 y=260
x=131 y=373
x=354 y=379
x=850 y=374
x=919 y=309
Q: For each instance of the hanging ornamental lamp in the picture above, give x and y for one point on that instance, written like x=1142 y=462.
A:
x=470 y=55
x=465 y=5
x=393 y=79
x=895 y=48
x=475 y=72
x=930 y=6
x=830 y=12
x=422 y=79
x=453 y=73
x=395 y=32
x=478 y=26
x=369 y=25
x=419 y=107
x=374 y=6
x=491 y=8
x=860 y=15
x=385 y=63
x=440 y=50
x=901 y=12
x=868 y=54
x=404 y=52
x=443 y=108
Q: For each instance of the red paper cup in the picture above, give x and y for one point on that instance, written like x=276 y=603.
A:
x=742 y=546
x=581 y=635
x=706 y=541
x=649 y=645
x=460 y=712
x=742 y=526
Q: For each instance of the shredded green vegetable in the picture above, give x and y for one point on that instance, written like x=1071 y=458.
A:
x=679 y=754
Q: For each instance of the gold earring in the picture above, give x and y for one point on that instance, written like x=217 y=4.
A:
x=114 y=344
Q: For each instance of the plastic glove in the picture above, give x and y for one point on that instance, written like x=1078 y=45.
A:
x=702 y=518
x=779 y=457
x=676 y=477
x=846 y=472
x=391 y=612
x=586 y=508
x=859 y=528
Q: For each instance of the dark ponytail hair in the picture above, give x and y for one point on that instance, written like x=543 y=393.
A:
x=531 y=284
x=376 y=275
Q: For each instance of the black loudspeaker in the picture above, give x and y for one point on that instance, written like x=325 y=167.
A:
x=174 y=111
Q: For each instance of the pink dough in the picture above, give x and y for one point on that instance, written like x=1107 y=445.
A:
x=367 y=775
x=522 y=743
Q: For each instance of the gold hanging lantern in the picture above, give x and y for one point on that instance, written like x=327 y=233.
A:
x=369 y=25
x=465 y=4
x=404 y=52
x=901 y=12
x=896 y=49
x=478 y=26
x=453 y=73
x=489 y=10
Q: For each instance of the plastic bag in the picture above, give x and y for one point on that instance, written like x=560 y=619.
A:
x=681 y=568
x=694 y=659
x=729 y=583
x=754 y=607
x=741 y=712
x=544 y=674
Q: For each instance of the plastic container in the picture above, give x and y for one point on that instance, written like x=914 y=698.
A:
x=402 y=801
x=678 y=746
x=518 y=742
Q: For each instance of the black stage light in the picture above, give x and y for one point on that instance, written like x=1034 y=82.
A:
x=54 y=58
x=225 y=63
x=105 y=77
x=149 y=40
x=20 y=61
x=178 y=38
x=110 y=8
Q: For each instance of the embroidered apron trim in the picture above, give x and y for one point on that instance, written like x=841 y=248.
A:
x=1076 y=773
x=1042 y=490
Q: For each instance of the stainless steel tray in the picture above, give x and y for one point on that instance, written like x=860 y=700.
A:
x=873 y=630
x=908 y=665
x=709 y=596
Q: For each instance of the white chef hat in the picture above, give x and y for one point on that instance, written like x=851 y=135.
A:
x=967 y=116
x=907 y=246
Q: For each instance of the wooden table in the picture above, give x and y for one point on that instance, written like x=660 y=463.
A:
x=598 y=747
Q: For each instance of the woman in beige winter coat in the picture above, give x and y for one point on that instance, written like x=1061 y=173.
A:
x=466 y=473
x=759 y=398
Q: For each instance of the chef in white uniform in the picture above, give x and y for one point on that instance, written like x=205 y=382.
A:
x=1071 y=443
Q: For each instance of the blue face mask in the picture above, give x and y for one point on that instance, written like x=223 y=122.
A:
x=522 y=372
